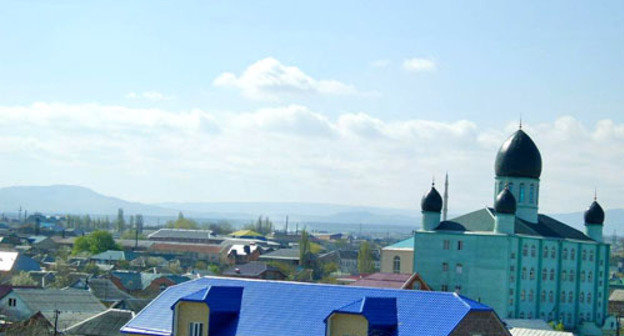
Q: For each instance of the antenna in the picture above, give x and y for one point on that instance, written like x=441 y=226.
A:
x=520 y=125
x=595 y=194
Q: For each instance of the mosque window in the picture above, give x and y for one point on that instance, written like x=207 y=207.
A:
x=543 y=297
x=590 y=276
x=460 y=245
x=570 y=297
x=552 y=252
x=563 y=296
x=601 y=262
x=531 y=191
x=510 y=302
x=552 y=274
x=565 y=254
x=564 y=275
x=531 y=295
x=544 y=274
x=583 y=276
x=521 y=193
x=532 y=274
x=551 y=296
x=444 y=267
x=545 y=255
x=591 y=255
x=525 y=250
x=536 y=193
x=396 y=264
x=457 y=289
x=572 y=275
x=512 y=278
x=459 y=268
x=533 y=251
x=524 y=273
x=572 y=254
x=588 y=297
x=582 y=297
x=513 y=255
x=446 y=245
x=523 y=295
x=584 y=254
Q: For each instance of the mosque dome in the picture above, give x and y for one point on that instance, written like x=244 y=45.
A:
x=505 y=202
x=594 y=214
x=432 y=201
x=518 y=157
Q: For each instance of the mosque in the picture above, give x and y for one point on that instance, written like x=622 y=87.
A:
x=524 y=264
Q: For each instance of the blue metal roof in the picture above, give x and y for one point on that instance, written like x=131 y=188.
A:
x=290 y=308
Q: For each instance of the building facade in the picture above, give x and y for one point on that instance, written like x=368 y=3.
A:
x=399 y=257
x=521 y=263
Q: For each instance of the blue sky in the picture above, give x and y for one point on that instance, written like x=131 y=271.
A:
x=377 y=64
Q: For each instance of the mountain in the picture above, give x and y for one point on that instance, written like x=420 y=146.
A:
x=68 y=199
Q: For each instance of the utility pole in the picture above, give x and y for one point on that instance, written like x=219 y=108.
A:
x=19 y=216
x=286 y=227
x=56 y=315
x=445 y=208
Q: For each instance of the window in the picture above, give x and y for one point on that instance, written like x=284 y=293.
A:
x=562 y=296
x=459 y=268
x=444 y=288
x=532 y=250
x=524 y=273
x=552 y=252
x=196 y=329
x=591 y=255
x=551 y=296
x=521 y=198
x=523 y=295
x=545 y=255
x=582 y=276
x=584 y=254
x=572 y=275
x=570 y=297
x=460 y=245
x=513 y=255
x=581 y=297
x=531 y=191
x=532 y=274
x=531 y=295
x=530 y=315
x=543 y=297
x=564 y=276
x=569 y=317
x=565 y=254
x=444 y=267
x=511 y=301
x=525 y=250
x=396 y=264
x=552 y=274
x=590 y=276
x=544 y=274
x=446 y=245
x=511 y=291
x=572 y=254
x=521 y=315
x=588 y=297
x=12 y=302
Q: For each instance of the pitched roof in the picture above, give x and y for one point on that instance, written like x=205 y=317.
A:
x=285 y=254
x=251 y=269
x=617 y=295
x=135 y=305
x=282 y=308
x=15 y=261
x=180 y=234
x=407 y=244
x=246 y=233
x=114 y=255
x=483 y=221
x=106 y=323
x=105 y=290
x=141 y=280
x=186 y=248
x=391 y=280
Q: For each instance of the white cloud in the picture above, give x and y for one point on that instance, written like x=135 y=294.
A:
x=381 y=63
x=419 y=65
x=148 y=95
x=268 y=79
x=292 y=153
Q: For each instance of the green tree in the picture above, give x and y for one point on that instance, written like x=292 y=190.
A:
x=121 y=222
x=23 y=279
x=221 y=227
x=365 y=259
x=304 y=249
x=96 y=242
x=183 y=223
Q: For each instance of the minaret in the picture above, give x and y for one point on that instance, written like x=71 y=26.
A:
x=431 y=206
x=594 y=220
x=445 y=208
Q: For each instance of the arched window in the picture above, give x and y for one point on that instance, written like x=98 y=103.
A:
x=572 y=275
x=521 y=193
x=524 y=273
x=552 y=274
x=565 y=254
x=536 y=194
x=532 y=274
x=584 y=254
x=551 y=296
x=563 y=297
x=570 y=297
x=590 y=276
x=581 y=297
x=552 y=252
x=525 y=250
x=531 y=295
x=531 y=191
x=588 y=297
x=545 y=252
x=396 y=264
x=564 y=275
x=591 y=255
x=544 y=274
x=572 y=254
x=533 y=253
x=523 y=295
x=459 y=268
x=543 y=297
x=583 y=276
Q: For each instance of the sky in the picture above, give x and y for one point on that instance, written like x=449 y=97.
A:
x=352 y=102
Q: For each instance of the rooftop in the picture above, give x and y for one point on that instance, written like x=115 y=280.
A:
x=106 y=323
x=180 y=234
x=251 y=269
x=284 y=254
x=407 y=244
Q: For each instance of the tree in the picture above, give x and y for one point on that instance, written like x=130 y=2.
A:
x=221 y=228
x=96 y=242
x=23 y=279
x=183 y=223
x=365 y=259
x=139 y=223
x=121 y=222
x=304 y=249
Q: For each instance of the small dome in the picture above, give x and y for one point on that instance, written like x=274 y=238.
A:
x=594 y=214
x=505 y=202
x=518 y=157
x=432 y=201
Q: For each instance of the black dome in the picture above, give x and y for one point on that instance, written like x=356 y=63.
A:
x=595 y=214
x=505 y=202
x=518 y=157
x=432 y=202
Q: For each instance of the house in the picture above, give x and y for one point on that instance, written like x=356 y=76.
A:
x=399 y=257
x=131 y=281
x=616 y=302
x=15 y=262
x=134 y=304
x=247 y=234
x=43 y=278
x=239 y=254
x=37 y=324
x=112 y=257
x=183 y=236
x=210 y=253
x=255 y=270
x=106 y=323
x=103 y=289
x=73 y=305
x=348 y=261
x=42 y=243
x=287 y=255
x=230 y=307
x=392 y=280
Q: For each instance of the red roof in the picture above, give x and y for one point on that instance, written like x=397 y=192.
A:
x=391 y=280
